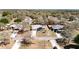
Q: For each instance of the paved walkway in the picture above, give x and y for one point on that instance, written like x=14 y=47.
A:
x=58 y=35
x=16 y=45
x=54 y=44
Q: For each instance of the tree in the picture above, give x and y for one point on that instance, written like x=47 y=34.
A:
x=76 y=39
x=26 y=41
x=5 y=13
x=67 y=32
x=4 y=20
x=71 y=18
x=17 y=20
x=75 y=24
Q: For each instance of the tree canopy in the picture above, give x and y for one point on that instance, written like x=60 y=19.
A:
x=76 y=39
x=4 y=20
x=17 y=20
x=5 y=13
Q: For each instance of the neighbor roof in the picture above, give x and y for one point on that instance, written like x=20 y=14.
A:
x=17 y=26
x=57 y=26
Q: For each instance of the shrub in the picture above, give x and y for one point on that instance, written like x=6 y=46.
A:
x=76 y=39
x=25 y=41
x=17 y=20
x=4 y=20
x=5 y=13
x=71 y=18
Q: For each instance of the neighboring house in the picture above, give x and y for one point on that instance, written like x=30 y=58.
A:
x=35 y=27
x=16 y=27
x=28 y=20
x=57 y=27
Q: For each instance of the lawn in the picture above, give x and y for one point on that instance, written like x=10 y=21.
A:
x=37 y=44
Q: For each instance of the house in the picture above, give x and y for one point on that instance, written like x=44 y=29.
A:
x=34 y=29
x=39 y=29
x=16 y=27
